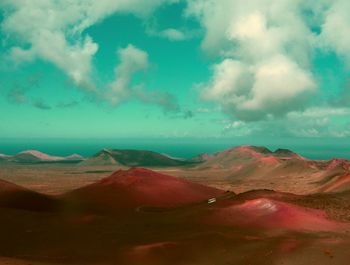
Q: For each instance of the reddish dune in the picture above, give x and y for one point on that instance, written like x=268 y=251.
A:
x=17 y=197
x=6 y=186
x=128 y=189
x=272 y=214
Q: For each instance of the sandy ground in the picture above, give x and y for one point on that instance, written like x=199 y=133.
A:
x=58 y=178
x=53 y=178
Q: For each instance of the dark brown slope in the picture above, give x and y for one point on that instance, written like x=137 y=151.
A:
x=17 y=197
x=134 y=158
x=129 y=189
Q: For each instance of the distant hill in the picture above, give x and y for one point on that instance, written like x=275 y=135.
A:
x=244 y=154
x=240 y=153
x=34 y=156
x=128 y=189
x=134 y=158
x=3 y=157
x=245 y=164
x=267 y=209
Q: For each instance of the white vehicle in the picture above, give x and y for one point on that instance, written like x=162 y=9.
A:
x=212 y=200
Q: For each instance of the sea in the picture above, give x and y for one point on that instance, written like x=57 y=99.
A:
x=181 y=148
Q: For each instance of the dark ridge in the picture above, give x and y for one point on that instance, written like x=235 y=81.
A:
x=261 y=149
x=281 y=151
x=17 y=197
x=142 y=158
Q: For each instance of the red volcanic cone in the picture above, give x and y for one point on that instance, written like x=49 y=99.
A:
x=128 y=189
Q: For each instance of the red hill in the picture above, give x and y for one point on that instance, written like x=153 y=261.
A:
x=17 y=197
x=270 y=210
x=6 y=186
x=129 y=189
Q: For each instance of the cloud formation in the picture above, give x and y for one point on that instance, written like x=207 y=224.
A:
x=263 y=49
x=267 y=49
x=132 y=60
x=335 y=33
x=41 y=104
x=124 y=86
x=173 y=34
x=322 y=121
x=17 y=95
x=54 y=31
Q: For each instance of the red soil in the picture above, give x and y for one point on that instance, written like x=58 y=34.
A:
x=14 y=196
x=269 y=160
x=128 y=189
x=6 y=186
x=249 y=150
x=339 y=183
x=271 y=214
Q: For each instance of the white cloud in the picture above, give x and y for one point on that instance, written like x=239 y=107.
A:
x=319 y=112
x=277 y=83
x=173 y=34
x=54 y=31
x=322 y=121
x=132 y=60
x=253 y=92
x=336 y=28
x=266 y=48
x=229 y=77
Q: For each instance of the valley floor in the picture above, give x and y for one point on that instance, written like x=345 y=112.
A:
x=165 y=237
x=59 y=178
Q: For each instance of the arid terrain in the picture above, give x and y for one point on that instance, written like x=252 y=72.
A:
x=245 y=205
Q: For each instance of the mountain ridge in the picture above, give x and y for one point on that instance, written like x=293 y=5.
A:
x=134 y=158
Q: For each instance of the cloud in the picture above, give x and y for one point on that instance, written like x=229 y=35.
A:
x=54 y=31
x=343 y=97
x=40 y=104
x=173 y=34
x=312 y=122
x=183 y=114
x=266 y=56
x=252 y=92
x=320 y=112
x=266 y=51
x=132 y=60
x=17 y=95
x=165 y=100
x=124 y=86
x=335 y=33
x=68 y=104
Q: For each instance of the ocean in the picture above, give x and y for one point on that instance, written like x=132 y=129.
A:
x=182 y=148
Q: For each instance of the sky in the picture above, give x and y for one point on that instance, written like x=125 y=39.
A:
x=173 y=69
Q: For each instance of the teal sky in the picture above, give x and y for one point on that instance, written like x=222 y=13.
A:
x=175 y=69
